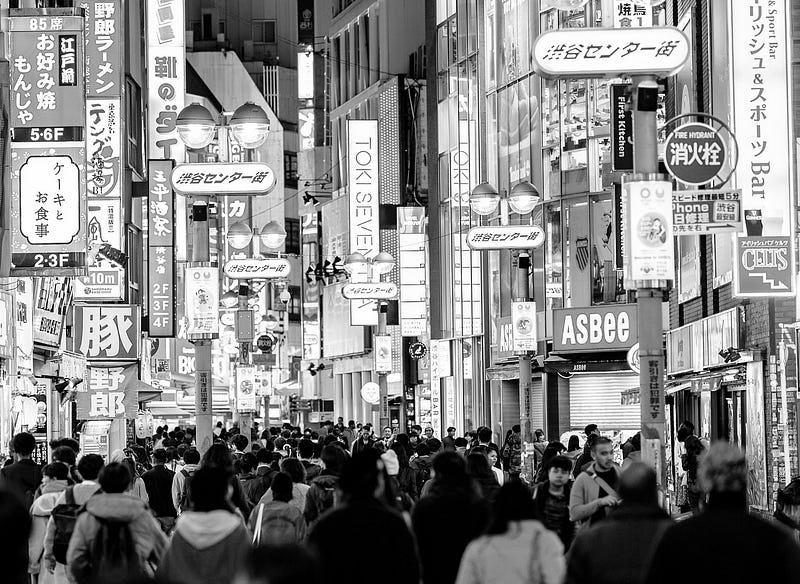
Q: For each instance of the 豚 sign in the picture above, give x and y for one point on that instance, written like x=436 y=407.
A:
x=599 y=328
x=608 y=52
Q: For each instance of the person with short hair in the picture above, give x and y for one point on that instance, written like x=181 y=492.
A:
x=725 y=542
x=158 y=482
x=114 y=521
x=239 y=442
x=23 y=477
x=618 y=549
x=594 y=493
x=54 y=482
x=552 y=499
x=449 y=441
x=365 y=440
x=275 y=520
x=381 y=530
x=295 y=469
x=321 y=495
x=305 y=454
x=210 y=543
x=191 y=462
x=461 y=445
x=421 y=466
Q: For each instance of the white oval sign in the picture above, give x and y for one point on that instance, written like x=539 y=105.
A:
x=371 y=393
x=633 y=358
x=257 y=269
x=243 y=178
x=227 y=318
x=505 y=237
x=610 y=52
x=370 y=291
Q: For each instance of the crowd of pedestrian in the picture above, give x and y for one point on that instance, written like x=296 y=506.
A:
x=349 y=503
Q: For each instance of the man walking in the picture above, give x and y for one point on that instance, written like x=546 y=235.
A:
x=617 y=550
x=191 y=459
x=364 y=442
x=449 y=441
x=24 y=476
x=158 y=483
x=594 y=493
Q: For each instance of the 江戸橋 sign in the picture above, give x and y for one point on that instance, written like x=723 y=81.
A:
x=608 y=52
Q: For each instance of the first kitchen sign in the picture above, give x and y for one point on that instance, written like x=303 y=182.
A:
x=598 y=328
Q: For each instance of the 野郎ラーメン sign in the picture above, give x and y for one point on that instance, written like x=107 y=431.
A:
x=362 y=156
x=110 y=393
x=608 y=52
x=107 y=332
x=695 y=153
x=254 y=178
x=161 y=251
x=701 y=212
x=505 y=237
x=649 y=247
x=763 y=266
x=597 y=328
x=202 y=302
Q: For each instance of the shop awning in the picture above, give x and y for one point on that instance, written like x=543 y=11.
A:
x=147 y=392
x=161 y=409
x=504 y=372
x=557 y=364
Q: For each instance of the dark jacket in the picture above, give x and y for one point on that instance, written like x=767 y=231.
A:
x=448 y=443
x=489 y=487
x=464 y=516
x=206 y=548
x=617 y=550
x=566 y=530
x=312 y=470
x=725 y=543
x=254 y=488
x=584 y=459
x=22 y=478
x=158 y=482
x=360 y=446
x=321 y=496
x=383 y=544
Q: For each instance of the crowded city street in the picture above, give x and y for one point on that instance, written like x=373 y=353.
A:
x=399 y=291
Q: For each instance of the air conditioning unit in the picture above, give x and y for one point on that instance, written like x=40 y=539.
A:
x=248 y=50
x=221 y=38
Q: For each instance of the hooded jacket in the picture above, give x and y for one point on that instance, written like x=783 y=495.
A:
x=206 y=547
x=81 y=492
x=40 y=513
x=321 y=496
x=148 y=538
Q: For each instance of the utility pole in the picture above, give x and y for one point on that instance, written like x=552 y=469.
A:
x=244 y=331
x=649 y=293
x=382 y=381
x=201 y=254
x=525 y=383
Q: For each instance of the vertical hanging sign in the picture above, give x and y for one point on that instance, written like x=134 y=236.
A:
x=411 y=222
x=166 y=78
x=48 y=191
x=161 y=250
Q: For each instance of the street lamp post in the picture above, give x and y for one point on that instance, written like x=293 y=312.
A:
x=359 y=267
x=196 y=128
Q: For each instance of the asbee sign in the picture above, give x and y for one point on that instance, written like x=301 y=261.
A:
x=257 y=269
x=598 y=328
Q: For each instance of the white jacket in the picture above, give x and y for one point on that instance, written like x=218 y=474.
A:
x=526 y=553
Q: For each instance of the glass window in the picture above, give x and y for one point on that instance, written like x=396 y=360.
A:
x=442 y=50
x=491 y=45
x=290 y=168
x=503 y=129
x=453 y=41
x=607 y=285
x=473 y=16
x=292 y=227
x=461 y=13
x=554 y=268
x=599 y=108
x=264 y=31
x=134 y=126
x=491 y=139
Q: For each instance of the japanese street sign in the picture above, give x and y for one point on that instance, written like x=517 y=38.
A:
x=621 y=129
x=264 y=359
x=105 y=280
x=763 y=267
x=257 y=269
x=253 y=178
x=629 y=13
x=371 y=393
x=161 y=251
x=505 y=237
x=104 y=28
x=265 y=343
x=608 y=52
x=417 y=350
x=110 y=393
x=694 y=153
x=53 y=296
x=370 y=291
x=202 y=302
x=103 y=147
x=649 y=248
x=702 y=212
x=166 y=79
x=107 y=332
x=760 y=70
x=245 y=388
x=383 y=353
x=23 y=292
x=523 y=318
x=633 y=358
x=7 y=326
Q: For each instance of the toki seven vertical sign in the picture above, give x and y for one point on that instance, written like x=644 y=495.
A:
x=362 y=163
x=48 y=190
x=166 y=78
x=764 y=264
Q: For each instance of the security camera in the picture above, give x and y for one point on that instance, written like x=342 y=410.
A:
x=285 y=297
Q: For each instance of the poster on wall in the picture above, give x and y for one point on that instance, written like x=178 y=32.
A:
x=245 y=389
x=202 y=301
x=755 y=450
x=53 y=297
x=23 y=291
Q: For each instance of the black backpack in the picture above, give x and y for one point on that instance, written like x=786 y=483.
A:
x=184 y=502
x=423 y=475
x=65 y=516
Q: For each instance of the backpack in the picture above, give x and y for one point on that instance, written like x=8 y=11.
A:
x=273 y=528
x=323 y=496
x=65 y=516
x=183 y=502
x=114 y=552
x=423 y=475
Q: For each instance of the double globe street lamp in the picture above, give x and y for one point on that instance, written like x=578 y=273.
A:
x=197 y=127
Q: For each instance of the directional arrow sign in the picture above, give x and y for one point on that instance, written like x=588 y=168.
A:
x=505 y=237
x=703 y=212
x=370 y=291
x=257 y=269
x=241 y=178
x=610 y=52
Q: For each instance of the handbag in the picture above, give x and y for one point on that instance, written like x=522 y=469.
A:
x=257 y=529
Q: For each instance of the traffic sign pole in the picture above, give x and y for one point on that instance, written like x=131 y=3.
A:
x=649 y=294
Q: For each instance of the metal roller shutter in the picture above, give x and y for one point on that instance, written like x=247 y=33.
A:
x=537 y=407
x=594 y=398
